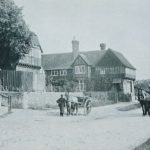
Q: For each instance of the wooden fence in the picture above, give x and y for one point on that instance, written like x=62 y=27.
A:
x=16 y=80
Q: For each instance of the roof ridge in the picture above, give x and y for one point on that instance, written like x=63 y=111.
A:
x=89 y=51
x=58 y=53
x=71 y=52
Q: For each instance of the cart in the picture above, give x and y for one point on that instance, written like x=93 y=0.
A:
x=84 y=102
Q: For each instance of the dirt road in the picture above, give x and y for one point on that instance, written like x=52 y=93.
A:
x=105 y=128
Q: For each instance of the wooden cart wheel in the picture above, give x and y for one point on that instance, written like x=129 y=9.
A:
x=87 y=107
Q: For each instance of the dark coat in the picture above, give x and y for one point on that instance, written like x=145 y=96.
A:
x=61 y=102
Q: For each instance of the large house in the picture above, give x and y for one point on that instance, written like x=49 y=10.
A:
x=29 y=75
x=99 y=70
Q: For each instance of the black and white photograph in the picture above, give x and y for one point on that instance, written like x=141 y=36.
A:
x=74 y=74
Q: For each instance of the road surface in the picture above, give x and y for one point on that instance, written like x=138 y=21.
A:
x=105 y=128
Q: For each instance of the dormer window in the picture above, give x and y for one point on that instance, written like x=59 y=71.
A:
x=80 y=69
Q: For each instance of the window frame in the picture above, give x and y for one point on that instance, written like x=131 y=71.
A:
x=80 y=69
x=63 y=72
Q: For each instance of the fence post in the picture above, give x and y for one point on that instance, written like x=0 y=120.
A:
x=9 y=104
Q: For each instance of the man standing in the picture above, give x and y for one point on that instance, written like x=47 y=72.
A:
x=61 y=103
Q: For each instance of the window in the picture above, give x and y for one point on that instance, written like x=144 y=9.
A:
x=63 y=72
x=80 y=69
x=130 y=71
x=81 y=85
x=54 y=73
x=102 y=71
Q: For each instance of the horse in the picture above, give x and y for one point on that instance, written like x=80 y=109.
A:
x=74 y=105
x=144 y=99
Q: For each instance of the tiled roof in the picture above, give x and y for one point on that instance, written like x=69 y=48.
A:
x=57 y=61
x=65 y=60
x=93 y=56
x=123 y=60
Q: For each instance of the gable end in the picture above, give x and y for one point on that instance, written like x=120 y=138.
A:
x=79 y=61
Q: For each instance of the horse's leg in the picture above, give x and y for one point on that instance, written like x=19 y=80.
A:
x=72 y=108
x=149 y=108
x=149 y=111
x=67 y=109
x=76 y=108
x=143 y=107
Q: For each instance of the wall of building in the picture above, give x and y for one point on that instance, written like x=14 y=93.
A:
x=39 y=82
x=128 y=88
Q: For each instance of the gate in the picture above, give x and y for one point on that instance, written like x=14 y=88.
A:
x=7 y=99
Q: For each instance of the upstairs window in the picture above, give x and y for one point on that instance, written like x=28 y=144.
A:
x=109 y=70
x=54 y=73
x=80 y=69
x=130 y=71
x=63 y=72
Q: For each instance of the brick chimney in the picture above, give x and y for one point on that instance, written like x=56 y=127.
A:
x=102 y=46
x=75 y=47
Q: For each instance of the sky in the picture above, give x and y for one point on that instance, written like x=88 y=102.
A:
x=124 y=25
